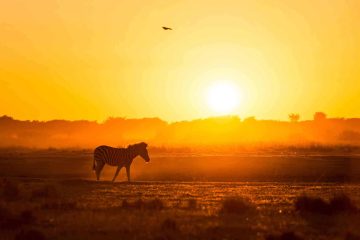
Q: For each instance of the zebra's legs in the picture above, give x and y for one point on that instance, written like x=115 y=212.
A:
x=117 y=172
x=99 y=167
x=128 y=172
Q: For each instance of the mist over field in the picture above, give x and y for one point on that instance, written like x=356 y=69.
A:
x=214 y=133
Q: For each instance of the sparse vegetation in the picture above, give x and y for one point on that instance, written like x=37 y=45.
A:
x=351 y=236
x=31 y=234
x=169 y=225
x=236 y=205
x=27 y=217
x=85 y=209
x=153 y=204
x=47 y=191
x=10 y=191
x=294 y=117
x=317 y=205
x=192 y=203
x=11 y=221
x=284 y=236
x=60 y=205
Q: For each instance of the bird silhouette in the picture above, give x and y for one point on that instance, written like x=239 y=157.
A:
x=167 y=28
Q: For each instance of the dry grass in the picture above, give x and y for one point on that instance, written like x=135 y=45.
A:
x=159 y=210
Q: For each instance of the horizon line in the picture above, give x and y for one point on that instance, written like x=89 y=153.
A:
x=171 y=122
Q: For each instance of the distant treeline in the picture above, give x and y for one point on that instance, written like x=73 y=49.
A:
x=215 y=133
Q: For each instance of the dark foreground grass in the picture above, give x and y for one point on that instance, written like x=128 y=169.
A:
x=31 y=234
x=169 y=210
x=337 y=204
x=284 y=236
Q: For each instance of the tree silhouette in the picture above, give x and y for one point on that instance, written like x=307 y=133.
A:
x=294 y=117
x=319 y=116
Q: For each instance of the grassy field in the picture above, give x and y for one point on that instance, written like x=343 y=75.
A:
x=77 y=164
x=52 y=195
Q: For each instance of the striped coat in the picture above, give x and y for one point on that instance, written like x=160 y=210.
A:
x=120 y=157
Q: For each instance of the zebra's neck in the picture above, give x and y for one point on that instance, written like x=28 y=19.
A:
x=133 y=153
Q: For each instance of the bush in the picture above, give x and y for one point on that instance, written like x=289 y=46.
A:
x=236 y=206
x=4 y=213
x=10 y=221
x=169 y=225
x=313 y=205
x=27 y=217
x=284 y=236
x=30 y=235
x=337 y=204
x=10 y=191
x=155 y=204
x=47 y=191
x=351 y=236
x=60 y=205
x=192 y=203
x=342 y=203
x=125 y=204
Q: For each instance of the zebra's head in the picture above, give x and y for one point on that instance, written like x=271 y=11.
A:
x=142 y=151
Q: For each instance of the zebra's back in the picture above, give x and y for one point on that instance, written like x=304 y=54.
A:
x=110 y=155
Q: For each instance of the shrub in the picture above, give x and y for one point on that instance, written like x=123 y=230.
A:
x=284 y=236
x=155 y=204
x=169 y=225
x=27 y=217
x=313 y=205
x=342 y=203
x=339 y=203
x=30 y=235
x=4 y=213
x=236 y=206
x=138 y=204
x=47 y=191
x=60 y=205
x=10 y=221
x=7 y=220
x=351 y=236
x=10 y=191
x=192 y=203
x=125 y=204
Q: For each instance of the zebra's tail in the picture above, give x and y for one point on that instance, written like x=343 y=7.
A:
x=94 y=167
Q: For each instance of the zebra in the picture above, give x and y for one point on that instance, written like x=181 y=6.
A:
x=120 y=157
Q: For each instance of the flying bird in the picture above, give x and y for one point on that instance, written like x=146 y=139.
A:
x=167 y=28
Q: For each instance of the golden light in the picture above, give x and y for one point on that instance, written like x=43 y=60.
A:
x=223 y=97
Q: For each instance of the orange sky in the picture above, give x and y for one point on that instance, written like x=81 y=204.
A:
x=94 y=59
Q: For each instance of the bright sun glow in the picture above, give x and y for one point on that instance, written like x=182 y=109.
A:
x=223 y=97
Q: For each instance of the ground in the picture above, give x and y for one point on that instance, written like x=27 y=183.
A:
x=78 y=207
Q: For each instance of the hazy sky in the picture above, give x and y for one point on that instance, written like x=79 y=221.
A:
x=91 y=59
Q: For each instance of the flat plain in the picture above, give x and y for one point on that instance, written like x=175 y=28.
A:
x=175 y=197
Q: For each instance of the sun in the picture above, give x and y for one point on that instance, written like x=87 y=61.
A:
x=223 y=97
